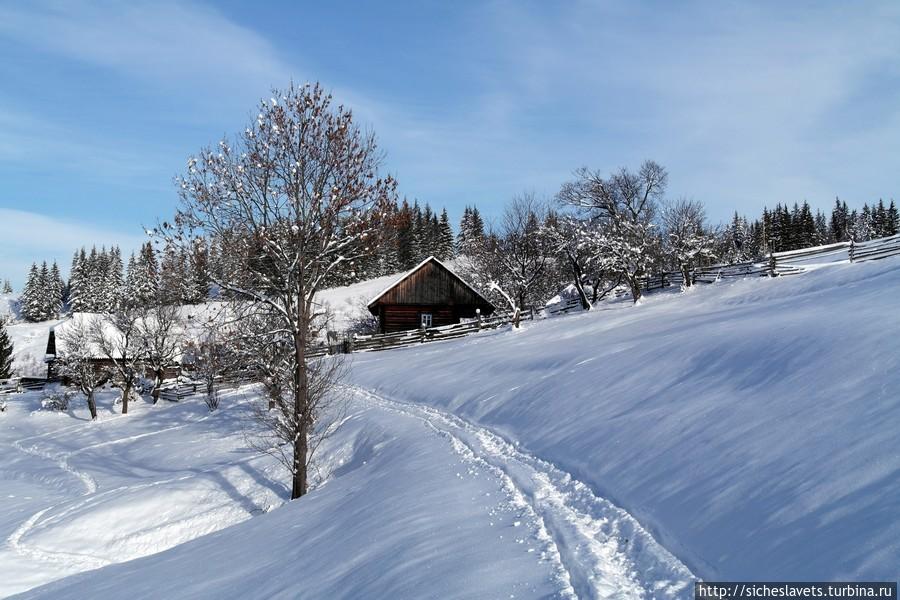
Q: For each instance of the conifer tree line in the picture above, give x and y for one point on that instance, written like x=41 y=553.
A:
x=782 y=228
x=44 y=293
x=100 y=283
x=408 y=234
x=603 y=231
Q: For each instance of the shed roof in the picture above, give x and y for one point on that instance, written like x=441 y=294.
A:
x=430 y=260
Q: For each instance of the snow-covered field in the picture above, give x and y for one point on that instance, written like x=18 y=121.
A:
x=742 y=430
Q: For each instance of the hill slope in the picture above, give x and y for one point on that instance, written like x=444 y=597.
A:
x=751 y=425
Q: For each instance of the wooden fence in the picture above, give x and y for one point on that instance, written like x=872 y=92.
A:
x=794 y=261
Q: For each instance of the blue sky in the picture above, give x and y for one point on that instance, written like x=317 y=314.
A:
x=746 y=104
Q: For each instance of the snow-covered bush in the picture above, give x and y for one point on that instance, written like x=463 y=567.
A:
x=2 y=406
x=57 y=400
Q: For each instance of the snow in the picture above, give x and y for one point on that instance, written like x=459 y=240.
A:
x=30 y=346
x=751 y=425
x=743 y=430
x=348 y=303
x=9 y=306
x=398 y=511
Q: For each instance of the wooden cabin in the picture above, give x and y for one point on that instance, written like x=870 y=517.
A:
x=430 y=295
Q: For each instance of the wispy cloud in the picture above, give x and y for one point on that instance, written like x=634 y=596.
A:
x=29 y=237
x=168 y=43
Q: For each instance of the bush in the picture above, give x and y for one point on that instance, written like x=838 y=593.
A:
x=57 y=400
x=2 y=406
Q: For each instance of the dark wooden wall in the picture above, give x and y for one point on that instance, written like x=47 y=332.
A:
x=430 y=289
x=433 y=284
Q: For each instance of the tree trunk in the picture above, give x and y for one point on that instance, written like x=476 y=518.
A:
x=301 y=418
x=92 y=406
x=157 y=381
x=126 y=392
x=579 y=283
x=635 y=284
x=686 y=276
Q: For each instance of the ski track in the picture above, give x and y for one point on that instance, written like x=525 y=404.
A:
x=90 y=494
x=598 y=549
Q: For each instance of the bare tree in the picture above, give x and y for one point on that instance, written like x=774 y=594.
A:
x=323 y=409
x=621 y=209
x=76 y=356
x=297 y=195
x=160 y=334
x=516 y=258
x=212 y=354
x=116 y=336
x=686 y=235
x=576 y=241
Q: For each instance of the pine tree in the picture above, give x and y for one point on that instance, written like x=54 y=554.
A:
x=822 y=235
x=78 y=282
x=893 y=220
x=805 y=227
x=6 y=352
x=879 y=220
x=112 y=281
x=8 y=288
x=840 y=227
x=30 y=303
x=55 y=290
x=445 y=237
x=148 y=276
x=464 y=225
x=170 y=275
x=132 y=286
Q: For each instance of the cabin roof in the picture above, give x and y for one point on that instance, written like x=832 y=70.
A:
x=431 y=259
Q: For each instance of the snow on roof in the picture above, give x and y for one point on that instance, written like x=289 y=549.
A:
x=416 y=268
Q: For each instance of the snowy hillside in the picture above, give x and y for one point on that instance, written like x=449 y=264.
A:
x=741 y=430
x=29 y=346
x=750 y=425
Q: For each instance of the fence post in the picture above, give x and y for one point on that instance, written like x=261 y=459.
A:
x=772 y=265
x=852 y=246
x=478 y=314
x=663 y=280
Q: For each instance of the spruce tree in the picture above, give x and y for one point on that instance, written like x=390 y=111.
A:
x=445 y=237
x=55 y=290
x=29 y=302
x=8 y=288
x=879 y=220
x=147 y=279
x=893 y=220
x=6 y=352
x=78 y=282
x=170 y=275
x=113 y=281
x=464 y=225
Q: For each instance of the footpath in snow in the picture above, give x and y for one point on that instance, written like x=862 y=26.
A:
x=405 y=510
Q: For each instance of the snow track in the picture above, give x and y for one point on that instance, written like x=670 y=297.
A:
x=599 y=549
x=144 y=535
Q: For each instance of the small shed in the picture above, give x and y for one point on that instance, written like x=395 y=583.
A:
x=430 y=295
